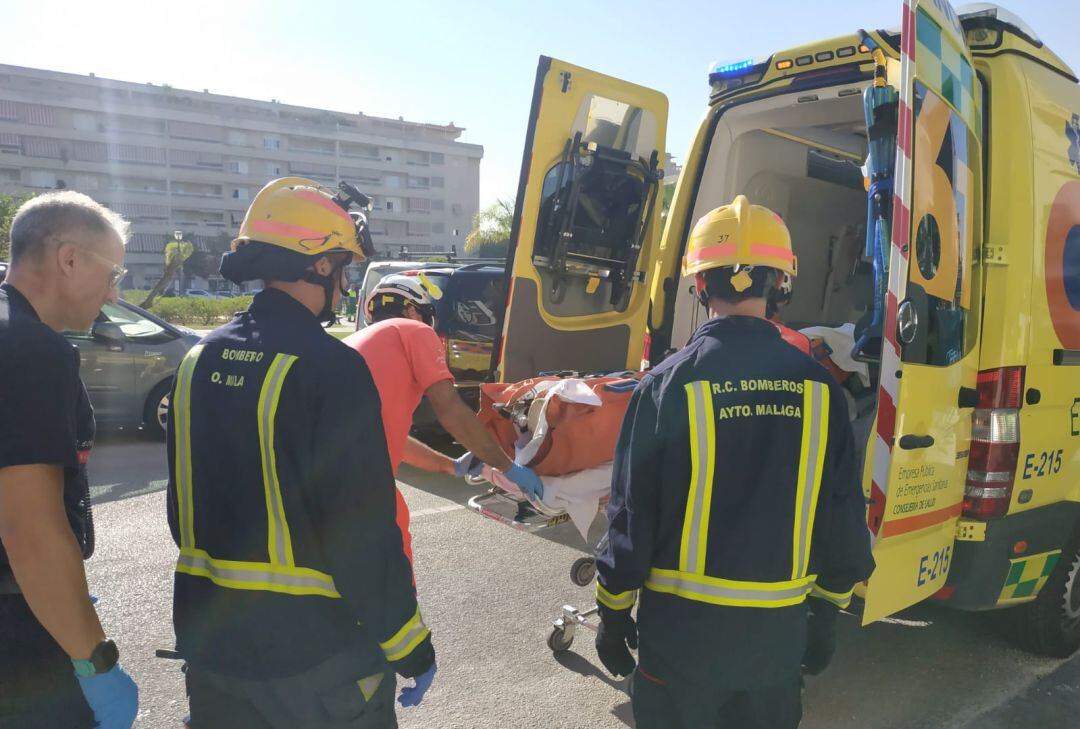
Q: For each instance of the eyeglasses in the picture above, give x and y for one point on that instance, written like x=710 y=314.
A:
x=117 y=272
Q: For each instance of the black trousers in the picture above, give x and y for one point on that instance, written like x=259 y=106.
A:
x=38 y=688
x=666 y=705
x=333 y=695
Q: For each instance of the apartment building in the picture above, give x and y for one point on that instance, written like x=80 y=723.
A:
x=173 y=160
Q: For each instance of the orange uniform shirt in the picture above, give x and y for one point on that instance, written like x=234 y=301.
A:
x=405 y=357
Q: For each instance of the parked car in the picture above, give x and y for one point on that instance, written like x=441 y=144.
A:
x=128 y=360
x=466 y=320
x=375 y=273
x=199 y=294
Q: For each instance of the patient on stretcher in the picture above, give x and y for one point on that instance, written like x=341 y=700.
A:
x=565 y=429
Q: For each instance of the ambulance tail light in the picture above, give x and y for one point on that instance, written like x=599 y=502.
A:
x=995 y=443
x=646 y=351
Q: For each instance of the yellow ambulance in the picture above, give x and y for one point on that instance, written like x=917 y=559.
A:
x=955 y=277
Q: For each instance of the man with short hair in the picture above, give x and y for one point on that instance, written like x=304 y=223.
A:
x=57 y=668
x=735 y=506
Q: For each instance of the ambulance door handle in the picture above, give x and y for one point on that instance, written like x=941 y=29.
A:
x=914 y=442
x=969 y=398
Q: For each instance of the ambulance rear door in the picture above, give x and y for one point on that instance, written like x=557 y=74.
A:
x=586 y=224
x=930 y=335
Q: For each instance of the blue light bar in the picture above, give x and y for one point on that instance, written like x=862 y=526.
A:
x=729 y=69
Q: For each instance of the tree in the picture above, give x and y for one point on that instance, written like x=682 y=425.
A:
x=669 y=195
x=490 y=235
x=206 y=258
x=176 y=252
x=9 y=205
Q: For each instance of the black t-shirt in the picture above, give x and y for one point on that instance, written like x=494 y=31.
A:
x=45 y=414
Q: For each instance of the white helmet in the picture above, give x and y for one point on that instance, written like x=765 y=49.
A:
x=395 y=293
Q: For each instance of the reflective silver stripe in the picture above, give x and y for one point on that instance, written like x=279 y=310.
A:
x=279 y=543
x=615 y=601
x=410 y=636
x=729 y=592
x=699 y=406
x=181 y=413
x=254 y=576
x=840 y=599
x=815 y=437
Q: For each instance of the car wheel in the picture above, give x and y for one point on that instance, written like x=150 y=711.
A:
x=1050 y=625
x=156 y=411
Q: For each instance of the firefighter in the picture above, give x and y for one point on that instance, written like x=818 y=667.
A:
x=408 y=361
x=735 y=505
x=294 y=601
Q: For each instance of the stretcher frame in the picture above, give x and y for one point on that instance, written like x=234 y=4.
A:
x=582 y=571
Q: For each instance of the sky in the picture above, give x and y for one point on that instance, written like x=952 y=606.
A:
x=470 y=63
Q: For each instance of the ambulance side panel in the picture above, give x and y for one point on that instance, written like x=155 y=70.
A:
x=1033 y=186
x=1048 y=470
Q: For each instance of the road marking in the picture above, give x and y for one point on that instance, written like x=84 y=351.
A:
x=435 y=510
x=97 y=491
x=103 y=490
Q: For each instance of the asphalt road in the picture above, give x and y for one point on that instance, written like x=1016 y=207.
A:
x=490 y=594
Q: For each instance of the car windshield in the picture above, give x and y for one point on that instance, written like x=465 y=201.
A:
x=468 y=315
x=131 y=323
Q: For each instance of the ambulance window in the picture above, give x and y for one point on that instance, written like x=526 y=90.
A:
x=595 y=209
x=940 y=321
x=613 y=124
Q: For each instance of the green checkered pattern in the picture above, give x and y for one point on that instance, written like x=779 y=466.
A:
x=1027 y=575
x=941 y=65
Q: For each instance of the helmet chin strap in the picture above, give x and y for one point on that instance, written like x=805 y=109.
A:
x=327 y=316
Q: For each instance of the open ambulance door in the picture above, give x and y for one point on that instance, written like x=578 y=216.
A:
x=930 y=334
x=585 y=228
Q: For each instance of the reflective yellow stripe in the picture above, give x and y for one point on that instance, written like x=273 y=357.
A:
x=736 y=593
x=368 y=686
x=815 y=435
x=699 y=499
x=279 y=541
x=841 y=599
x=181 y=414
x=256 y=575
x=411 y=635
x=615 y=601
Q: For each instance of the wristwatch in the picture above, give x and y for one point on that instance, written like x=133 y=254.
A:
x=102 y=660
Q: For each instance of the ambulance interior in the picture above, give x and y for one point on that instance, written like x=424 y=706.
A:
x=800 y=155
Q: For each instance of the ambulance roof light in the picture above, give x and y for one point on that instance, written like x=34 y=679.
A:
x=996 y=12
x=732 y=68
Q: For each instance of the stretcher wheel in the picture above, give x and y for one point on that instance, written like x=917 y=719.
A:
x=558 y=641
x=583 y=571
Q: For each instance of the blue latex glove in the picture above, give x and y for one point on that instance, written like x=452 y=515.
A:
x=526 y=480
x=413 y=695
x=467 y=465
x=113 y=697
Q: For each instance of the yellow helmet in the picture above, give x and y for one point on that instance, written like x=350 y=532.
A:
x=739 y=234
x=303 y=216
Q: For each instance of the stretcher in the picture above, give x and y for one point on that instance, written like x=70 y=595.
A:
x=564 y=427
x=504 y=503
x=574 y=498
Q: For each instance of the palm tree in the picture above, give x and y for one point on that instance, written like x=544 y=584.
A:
x=490 y=235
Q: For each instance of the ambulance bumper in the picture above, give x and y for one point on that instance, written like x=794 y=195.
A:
x=980 y=568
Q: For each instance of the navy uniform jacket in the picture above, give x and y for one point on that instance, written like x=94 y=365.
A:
x=734 y=499
x=282 y=501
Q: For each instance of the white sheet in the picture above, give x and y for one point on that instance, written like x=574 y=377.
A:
x=841 y=341
x=578 y=494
